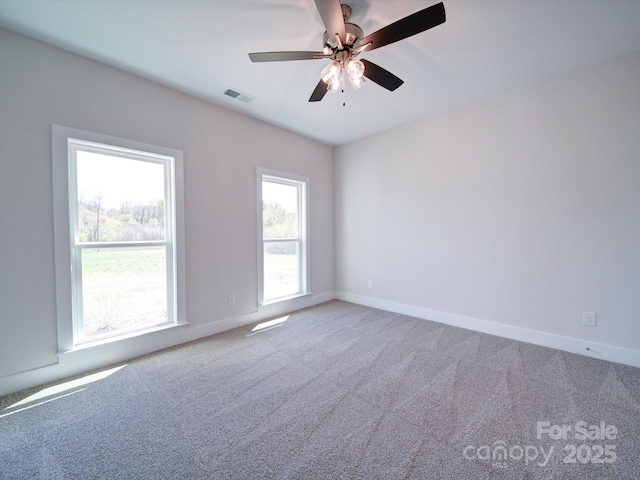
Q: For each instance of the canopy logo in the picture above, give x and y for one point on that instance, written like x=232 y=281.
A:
x=499 y=454
x=595 y=449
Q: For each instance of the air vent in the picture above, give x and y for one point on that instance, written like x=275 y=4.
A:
x=243 y=97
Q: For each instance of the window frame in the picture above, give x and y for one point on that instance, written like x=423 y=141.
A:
x=65 y=144
x=303 y=185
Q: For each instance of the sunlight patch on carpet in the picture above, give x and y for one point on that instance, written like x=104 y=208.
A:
x=276 y=322
x=66 y=386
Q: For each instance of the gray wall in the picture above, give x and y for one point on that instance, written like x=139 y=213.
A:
x=41 y=85
x=522 y=210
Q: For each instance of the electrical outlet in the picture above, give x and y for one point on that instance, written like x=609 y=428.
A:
x=589 y=319
x=370 y=283
x=232 y=300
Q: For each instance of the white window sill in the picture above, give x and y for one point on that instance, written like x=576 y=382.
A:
x=284 y=299
x=105 y=341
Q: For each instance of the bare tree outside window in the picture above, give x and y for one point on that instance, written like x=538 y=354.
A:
x=121 y=250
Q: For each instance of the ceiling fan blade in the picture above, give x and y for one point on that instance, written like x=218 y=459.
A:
x=331 y=14
x=406 y=27
x=319 y=92
x=379 y=75
x=284 y=56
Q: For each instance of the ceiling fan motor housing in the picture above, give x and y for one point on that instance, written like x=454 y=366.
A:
x=352 y=33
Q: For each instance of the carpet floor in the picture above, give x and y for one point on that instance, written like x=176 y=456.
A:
x=337 y=391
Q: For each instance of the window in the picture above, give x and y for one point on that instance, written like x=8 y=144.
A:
x=118 y=221
x=282 y=227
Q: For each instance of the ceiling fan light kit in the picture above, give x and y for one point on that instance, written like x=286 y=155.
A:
x=344 y=41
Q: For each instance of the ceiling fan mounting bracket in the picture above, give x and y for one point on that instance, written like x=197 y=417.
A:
x=346 y=11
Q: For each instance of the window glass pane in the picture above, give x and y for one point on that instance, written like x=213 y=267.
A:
x=279 y=210
x=281 y=269
x=119 y=199
x=123 y=289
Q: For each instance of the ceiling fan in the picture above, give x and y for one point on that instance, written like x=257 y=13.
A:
x=344 y=41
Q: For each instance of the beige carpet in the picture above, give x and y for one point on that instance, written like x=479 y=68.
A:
x=335 y=391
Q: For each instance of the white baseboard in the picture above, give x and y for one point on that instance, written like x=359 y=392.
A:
x=104 y=355
x=99 y=356
x=572 y=345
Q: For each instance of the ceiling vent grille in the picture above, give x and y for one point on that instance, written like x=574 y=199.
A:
x=243 y=97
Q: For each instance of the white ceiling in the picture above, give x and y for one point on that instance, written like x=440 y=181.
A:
x=200 y=47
